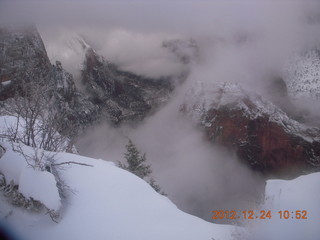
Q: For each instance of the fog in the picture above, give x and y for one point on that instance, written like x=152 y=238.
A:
x=197 y=176
x=130 y=33
x=238 y=41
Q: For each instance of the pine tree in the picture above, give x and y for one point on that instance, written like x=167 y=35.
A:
x=155 y=186
x=136 y=164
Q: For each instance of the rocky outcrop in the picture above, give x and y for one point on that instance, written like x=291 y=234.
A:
x=24 y=62
x=22 y=58
x=109 y=93
x=261 y=134
x=122 y=96
x=74 y=108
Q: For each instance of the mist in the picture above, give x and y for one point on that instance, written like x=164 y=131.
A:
x=197 y=176
x=130 y=33
x=238 y=41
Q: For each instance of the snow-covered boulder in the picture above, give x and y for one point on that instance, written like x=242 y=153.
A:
x=31 y=181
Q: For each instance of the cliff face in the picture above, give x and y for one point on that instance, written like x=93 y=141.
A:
x=110 y=94
x=75 y=109
x=122 y=96
x=22 y=58
x=261 y=134
x=24 y=63
x=265 y=145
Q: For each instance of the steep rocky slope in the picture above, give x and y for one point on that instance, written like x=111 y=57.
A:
x=24 y=63
x=109 y=93
x=262 y=134
x=123 y=96
x=22 y=58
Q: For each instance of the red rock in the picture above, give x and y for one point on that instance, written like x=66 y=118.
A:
x=260 y=133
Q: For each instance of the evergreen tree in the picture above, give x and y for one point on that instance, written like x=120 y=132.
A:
x=155 y=186
x=136 y=164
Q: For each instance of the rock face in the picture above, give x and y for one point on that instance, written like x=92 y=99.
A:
x=75 y=109
x=22 y=58
x=109 y=94
x=261 y=134
x=24 y=61
x=122 y=96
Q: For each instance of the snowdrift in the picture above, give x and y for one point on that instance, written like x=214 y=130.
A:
x=300 y=194
x=105 y=203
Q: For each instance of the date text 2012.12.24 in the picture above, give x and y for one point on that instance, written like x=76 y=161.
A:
x=262 y=214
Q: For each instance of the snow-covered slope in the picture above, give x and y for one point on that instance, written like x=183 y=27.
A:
x=295 y=196
x=108 y=203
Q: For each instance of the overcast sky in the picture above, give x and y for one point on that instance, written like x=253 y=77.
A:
x=131 y=32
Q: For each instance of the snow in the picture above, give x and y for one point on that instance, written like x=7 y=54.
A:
x=110 y=203
x=7 y=122
x=106 y=203
x=205 y=96
x=32 y=183
x=8 y=125
x=202 y=96
x=5 y=83
x=11 y=164
x=40 y=186
x=302 y=193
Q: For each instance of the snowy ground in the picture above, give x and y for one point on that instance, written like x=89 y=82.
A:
x=300 y=194
x=108 y=203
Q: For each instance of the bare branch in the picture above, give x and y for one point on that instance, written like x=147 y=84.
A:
x=71 y=162
x=53 y=215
